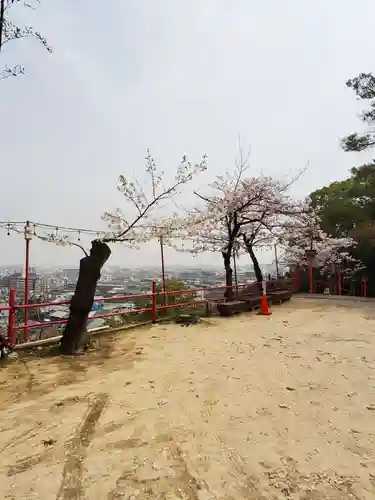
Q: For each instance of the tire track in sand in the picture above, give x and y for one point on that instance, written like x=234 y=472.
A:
x=71 y=483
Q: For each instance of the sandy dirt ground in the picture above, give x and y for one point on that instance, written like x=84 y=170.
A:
x=278 y=407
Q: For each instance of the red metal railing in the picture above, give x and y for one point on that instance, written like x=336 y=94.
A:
x=12 y=307
x=340 y=287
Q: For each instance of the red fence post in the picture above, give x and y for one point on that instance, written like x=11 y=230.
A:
x=310 y=254
x=296 y=280
x=364 y=287
x=12 y=316
x=310 y=278
x=154 y=312
x=28 y=236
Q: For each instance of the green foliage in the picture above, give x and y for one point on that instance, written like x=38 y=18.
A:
x=346 y=205
x=364 y=87
x=161 y=300
x=172 y=298
x=347 y=208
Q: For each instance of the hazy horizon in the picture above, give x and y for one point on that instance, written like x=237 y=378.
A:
x=212 y=267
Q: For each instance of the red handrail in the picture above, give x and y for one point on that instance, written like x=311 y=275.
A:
x=196 y=290
x=12 y=316
x=12 y=307
x=64 y=321
x=120 y=298
x=182 y=304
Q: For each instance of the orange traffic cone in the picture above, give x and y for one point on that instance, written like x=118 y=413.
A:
x=264 y=306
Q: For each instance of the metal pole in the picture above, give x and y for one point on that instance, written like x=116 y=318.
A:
x=154 y=310
x=28 y=237
x=11 y=317
x=364 y=287
x=162 y=267
x=276 y=261
x=26 y=295
x=310 y=254
x=235 y=270
x=296 y=279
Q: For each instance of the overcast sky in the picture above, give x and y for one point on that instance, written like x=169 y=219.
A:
x=177 y=76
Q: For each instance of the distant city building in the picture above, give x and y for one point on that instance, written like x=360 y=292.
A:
x=16 y=280
x=71 y=275
x=32 y=273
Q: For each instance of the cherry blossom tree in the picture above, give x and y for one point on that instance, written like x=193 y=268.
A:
x=258 y=235
x=241 y=211
x=306 y=240
x=274 y=211
x=210 y=227
x=132 y=225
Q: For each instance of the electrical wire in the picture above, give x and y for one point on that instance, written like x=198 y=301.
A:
x=19 y=226
x=54 y=230
x=12 y=225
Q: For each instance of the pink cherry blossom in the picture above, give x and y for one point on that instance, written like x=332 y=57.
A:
x=306 y=235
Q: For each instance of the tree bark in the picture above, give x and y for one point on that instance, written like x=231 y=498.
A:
x=83 y=298
x=257 y=270
x=228 y=275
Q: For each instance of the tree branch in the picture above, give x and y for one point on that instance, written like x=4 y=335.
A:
x=79 y=246
x=185 y=172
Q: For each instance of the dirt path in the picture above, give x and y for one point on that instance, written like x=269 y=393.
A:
x=279 y=407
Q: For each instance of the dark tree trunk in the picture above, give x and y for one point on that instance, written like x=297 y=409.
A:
x=257 y=270
x=228 y=275
x=83 y=298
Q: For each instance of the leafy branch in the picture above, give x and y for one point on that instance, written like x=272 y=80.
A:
x=10 y=31
x=364 y=88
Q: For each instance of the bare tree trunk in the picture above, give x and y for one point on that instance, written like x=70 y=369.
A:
x=257 y=269
x=228 y=274
x=83 y=298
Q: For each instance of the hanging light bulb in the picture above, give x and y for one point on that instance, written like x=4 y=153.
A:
x=27 y=232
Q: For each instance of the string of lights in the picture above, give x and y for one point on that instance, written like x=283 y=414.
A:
x=19 y=226
x=51 y=231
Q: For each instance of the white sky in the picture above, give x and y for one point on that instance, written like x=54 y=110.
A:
x=179 y=77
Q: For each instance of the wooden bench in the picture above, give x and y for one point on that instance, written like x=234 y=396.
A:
x=249 y=298
x=252 y=295
x=279 y=290
x=231 y=307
